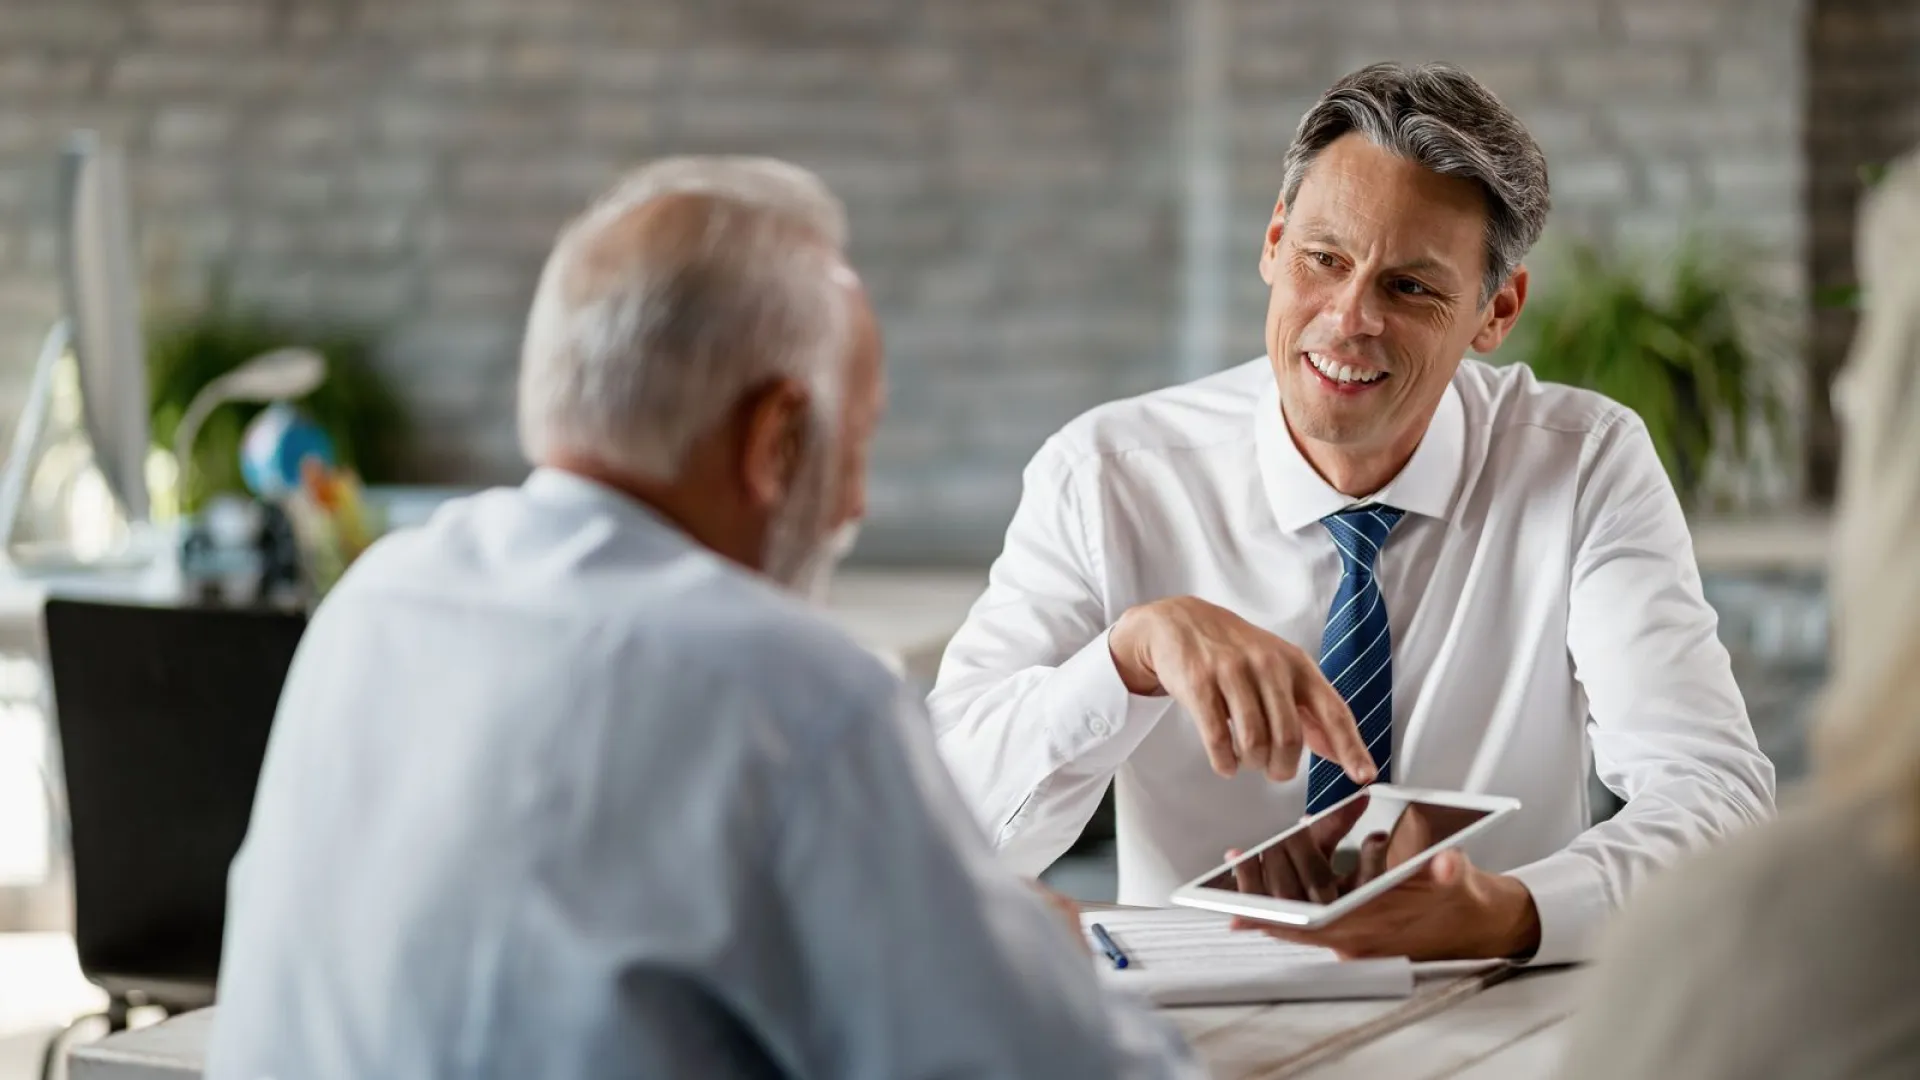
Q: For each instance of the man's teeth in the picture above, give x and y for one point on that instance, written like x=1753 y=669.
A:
x=1339 y=372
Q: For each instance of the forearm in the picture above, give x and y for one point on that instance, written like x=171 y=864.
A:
x=1577 y=889
x=1668 y=727
x=1033 y=750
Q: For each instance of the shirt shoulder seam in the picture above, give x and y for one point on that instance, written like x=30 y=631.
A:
x=1607 y=420
x=1072 y=455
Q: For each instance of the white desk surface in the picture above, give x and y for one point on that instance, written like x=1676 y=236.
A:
x=1451 y=1028
x=905 y=616
x=174 y=1049
x=1511 y=1029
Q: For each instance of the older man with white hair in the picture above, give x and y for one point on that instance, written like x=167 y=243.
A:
x=566 y=784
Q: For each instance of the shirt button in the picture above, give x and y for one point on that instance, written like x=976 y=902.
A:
x=1098 y=725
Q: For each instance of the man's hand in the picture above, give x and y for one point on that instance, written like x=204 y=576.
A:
x=1255 y=698
x=1301 y=866
x=1068 y=909
x=1450 y=910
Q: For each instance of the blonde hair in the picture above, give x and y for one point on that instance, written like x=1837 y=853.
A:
x=1867 y=739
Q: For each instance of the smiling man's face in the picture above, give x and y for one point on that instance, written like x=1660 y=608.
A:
x=1376 y=275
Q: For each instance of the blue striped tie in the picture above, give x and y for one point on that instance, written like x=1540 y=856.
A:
x=1356 y=652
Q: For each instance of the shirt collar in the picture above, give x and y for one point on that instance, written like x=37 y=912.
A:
x=558 y=486
x=1426 y=486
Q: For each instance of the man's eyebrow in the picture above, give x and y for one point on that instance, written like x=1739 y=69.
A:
x=1426 y=264
x=1316 y=232
x=1313 y=232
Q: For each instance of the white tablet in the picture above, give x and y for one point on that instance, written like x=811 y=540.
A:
x=1337 y=860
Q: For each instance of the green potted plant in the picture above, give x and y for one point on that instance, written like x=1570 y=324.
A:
x=1693 y=346
x=187 y=350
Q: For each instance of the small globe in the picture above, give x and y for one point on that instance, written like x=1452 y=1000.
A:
x=275 y=445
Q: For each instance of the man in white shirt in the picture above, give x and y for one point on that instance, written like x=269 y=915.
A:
x=1363 y=557
x=564 y=784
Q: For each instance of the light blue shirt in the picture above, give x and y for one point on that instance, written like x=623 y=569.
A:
x=555 y=792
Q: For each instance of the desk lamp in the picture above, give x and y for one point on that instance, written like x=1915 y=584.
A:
x=280 y=375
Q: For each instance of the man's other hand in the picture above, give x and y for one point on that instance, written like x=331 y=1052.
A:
x=1068 y=909
x=1301 y=866
x=1449 y=910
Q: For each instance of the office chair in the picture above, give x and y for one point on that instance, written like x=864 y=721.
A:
x=162 y=717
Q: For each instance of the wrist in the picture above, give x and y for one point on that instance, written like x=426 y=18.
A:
x=1514 y=919
x=1128 y=655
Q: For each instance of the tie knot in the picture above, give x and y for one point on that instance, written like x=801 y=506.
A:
x=1360 y=532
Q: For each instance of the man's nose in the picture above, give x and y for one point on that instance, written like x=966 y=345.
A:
x=1355 y=309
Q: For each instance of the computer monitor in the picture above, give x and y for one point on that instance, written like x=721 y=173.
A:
x=90 y=508
x=101 y=286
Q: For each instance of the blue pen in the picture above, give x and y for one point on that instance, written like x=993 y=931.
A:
x=1107 y=945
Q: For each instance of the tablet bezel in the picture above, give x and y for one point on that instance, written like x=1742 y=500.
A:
x=1306 y=915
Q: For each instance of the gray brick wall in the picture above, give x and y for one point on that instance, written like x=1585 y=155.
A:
x=1012 y=169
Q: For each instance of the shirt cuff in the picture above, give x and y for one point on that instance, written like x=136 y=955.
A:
x=1091 y=707
x=1093 y=724
x=1571 y=900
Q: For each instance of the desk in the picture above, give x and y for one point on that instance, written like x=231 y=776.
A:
x=1506 y=1025
x=1476 y=1028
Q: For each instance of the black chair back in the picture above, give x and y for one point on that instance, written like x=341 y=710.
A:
x=162 y=716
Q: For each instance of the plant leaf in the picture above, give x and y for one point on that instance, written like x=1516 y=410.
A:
x=185 y=351
x=1686 y=348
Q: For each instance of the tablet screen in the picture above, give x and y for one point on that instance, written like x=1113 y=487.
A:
x=1335 y=854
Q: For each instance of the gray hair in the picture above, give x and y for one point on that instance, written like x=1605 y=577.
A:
x=1442 y=119
x=644 y=333
x=779 y=187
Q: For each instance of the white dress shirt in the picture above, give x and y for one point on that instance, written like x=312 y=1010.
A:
x=554 y=792
x=1544 y=605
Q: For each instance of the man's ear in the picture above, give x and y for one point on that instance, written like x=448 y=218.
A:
x=1270 y=251
x=775 y=425
x=1502 y=312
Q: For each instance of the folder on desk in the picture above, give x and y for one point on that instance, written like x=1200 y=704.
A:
x=1179 y=957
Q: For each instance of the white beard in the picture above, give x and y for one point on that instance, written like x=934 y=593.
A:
x=802 y=553
x=814 y=575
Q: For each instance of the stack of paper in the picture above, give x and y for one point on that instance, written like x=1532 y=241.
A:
x=1181 y=957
